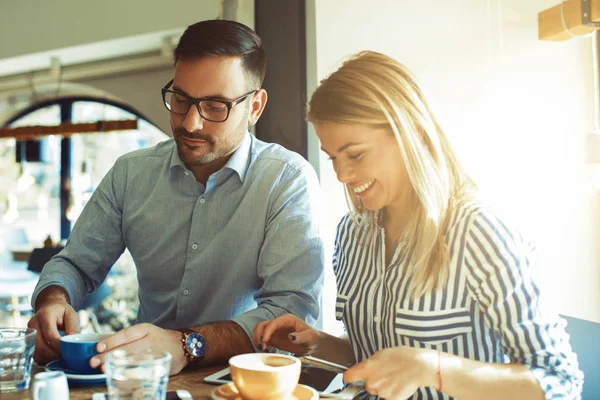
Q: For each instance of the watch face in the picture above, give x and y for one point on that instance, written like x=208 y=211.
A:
x=196 y=344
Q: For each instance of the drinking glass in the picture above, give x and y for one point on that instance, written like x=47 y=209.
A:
x=16 y=356
x=141 y=375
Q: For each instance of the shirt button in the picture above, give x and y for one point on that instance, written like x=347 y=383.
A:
x=376 y=319
x=186 y=292
x=194 y=246
x=186 y=173
x=202 y=201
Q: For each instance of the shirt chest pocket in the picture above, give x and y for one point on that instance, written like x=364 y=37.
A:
x=340 y=306
x=433 y=327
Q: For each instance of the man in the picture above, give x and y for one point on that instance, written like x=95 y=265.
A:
x=221 y=226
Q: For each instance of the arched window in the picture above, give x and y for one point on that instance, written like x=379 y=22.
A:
x=45 y=183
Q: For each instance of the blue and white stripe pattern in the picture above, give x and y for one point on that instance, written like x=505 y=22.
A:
x=489 y=310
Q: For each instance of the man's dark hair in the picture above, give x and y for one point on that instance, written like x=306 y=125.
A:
x=225 y=38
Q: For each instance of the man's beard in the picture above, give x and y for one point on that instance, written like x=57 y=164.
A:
x=228 y=144
x=186 y=153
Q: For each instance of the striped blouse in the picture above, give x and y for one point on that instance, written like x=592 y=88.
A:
x=490 y=309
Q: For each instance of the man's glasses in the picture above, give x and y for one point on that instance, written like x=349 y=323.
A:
x=210 y=109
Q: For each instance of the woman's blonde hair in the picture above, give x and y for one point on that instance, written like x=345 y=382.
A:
x=373 y=89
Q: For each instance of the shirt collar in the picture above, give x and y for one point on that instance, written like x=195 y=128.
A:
x=175 y=160
x=239 y=161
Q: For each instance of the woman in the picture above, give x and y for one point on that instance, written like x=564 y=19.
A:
x=435 y=291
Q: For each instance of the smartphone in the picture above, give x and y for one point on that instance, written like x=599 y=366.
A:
x=322 y=364
x=179 y=395
x=348 y=392
x=171 y=395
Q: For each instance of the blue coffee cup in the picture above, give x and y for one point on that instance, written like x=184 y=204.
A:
x=77 y=349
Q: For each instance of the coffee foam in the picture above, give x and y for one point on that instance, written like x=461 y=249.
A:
x=263 y=363
x=85 y=337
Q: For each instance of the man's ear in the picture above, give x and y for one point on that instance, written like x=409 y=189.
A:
x=257 y=105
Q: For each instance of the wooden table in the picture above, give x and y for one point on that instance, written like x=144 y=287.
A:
x=190 y=380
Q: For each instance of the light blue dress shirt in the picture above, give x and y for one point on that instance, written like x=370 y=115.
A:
x=246 y=247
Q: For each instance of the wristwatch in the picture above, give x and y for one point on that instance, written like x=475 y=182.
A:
x=193 y=344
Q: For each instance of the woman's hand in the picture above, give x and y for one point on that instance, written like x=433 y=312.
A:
x=396 y=373
x=288 y=333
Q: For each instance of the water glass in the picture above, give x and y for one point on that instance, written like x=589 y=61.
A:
x=141 y=375
x=16 y=356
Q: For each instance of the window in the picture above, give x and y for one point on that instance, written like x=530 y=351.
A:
x=30 y=171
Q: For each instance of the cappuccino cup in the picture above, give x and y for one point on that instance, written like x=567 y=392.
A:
x=260 y=376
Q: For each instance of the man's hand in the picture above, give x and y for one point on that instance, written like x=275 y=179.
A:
x=142 y=337
x=53 y=313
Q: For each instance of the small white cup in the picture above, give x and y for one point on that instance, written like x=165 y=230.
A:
x=50 y=386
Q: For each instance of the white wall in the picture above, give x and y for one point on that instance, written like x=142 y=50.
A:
x=48 y=25
x=516 y=109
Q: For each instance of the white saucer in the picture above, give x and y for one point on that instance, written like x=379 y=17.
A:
x=77 y=378
x=228 y=391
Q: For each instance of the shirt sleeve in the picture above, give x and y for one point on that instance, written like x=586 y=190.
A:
x=342 y=234
x=94 y=245
x=291 y=260
x=499 y=263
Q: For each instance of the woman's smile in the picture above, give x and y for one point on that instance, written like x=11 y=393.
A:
x=362 y=189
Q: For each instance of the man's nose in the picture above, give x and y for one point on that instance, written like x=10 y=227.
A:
x=193 y=121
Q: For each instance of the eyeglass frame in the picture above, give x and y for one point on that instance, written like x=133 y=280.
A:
x=197 y=100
